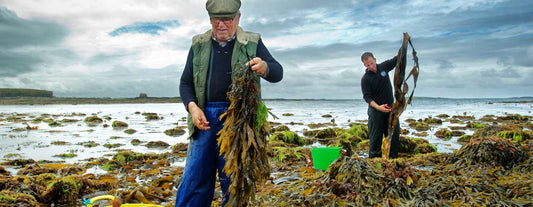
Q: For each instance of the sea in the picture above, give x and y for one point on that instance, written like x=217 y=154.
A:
x=42 y=143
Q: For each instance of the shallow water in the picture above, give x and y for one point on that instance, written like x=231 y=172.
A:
x=346 y=111
x=37 y=144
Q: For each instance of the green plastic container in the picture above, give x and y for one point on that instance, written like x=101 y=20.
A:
x=324 y=156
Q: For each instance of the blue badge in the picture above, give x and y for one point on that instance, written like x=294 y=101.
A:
x=383 y=73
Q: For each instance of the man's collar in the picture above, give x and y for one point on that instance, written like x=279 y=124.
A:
x=225 y=43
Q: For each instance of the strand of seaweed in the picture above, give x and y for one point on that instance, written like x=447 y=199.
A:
x=242 y=140
x=400 y=89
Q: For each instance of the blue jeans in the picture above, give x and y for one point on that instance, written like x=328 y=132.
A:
x=197 y=184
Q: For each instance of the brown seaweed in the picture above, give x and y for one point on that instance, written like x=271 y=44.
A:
x=400 y=89
x=243 y=138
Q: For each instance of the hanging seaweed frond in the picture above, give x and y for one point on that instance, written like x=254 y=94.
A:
x=242 y=140
x=400 y=89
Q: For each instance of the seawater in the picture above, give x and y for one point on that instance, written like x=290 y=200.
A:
x=37 y=144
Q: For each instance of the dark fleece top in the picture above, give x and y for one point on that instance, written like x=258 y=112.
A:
x=377 y=86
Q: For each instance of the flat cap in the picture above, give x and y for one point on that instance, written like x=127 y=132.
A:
x=222 y=8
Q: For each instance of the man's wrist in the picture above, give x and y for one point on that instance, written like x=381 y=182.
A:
x=265 y=74
x=191 y=104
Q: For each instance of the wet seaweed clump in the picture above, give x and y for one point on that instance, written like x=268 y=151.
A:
x=444 y=133
x=119 y=124
x=46 y=189
x=93 y=119
x=515 y=132
x=490 y=152
x=10 y=198
x=243 y=138
x=178 y=131
x=130 y=131
x=415 y=146
x=157 y=144
x=289 y=137
x=419 y=125
x=349 y=181
x=67 y=190
x=180 y=148
x=151 y=116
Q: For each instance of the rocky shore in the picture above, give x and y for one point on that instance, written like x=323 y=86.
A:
x=493 y=168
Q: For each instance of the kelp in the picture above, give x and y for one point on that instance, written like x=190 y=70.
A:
x=242 y=140
x=400 y=89
x=490 y=152
x=490 y=171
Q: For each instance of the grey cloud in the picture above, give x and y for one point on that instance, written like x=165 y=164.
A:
x=123 y=81
x=107 y=58
x=25 y=44
x=319 y=52
x=504 y=73
x=453 y=43
x=275 y=27
x=444 y=65
x=17 y=32
x=12 y=63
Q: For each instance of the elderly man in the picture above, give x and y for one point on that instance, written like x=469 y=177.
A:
x=204 y=84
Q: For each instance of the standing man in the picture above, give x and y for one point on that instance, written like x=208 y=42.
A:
x=204 y=85
x=377 y=92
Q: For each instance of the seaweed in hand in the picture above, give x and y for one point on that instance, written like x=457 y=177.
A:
x=242 y=140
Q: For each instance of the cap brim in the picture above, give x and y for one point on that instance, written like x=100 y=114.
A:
x=219 y=15
x=222 y=15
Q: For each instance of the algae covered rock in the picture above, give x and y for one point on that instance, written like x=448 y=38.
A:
x=280 y=128
x=444 y=133
x=178 y=131
x=515 y=132
x=289 y=154
x=67 y=190
x=415 y=146
x=288 y=137
x=151 y=116
x=157 y=144
x=10 y=198
x=490 y=152
x=180 y=147
x=119 y=124
x=93 y=119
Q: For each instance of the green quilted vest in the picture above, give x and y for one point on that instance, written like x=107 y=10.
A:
x=246 y=42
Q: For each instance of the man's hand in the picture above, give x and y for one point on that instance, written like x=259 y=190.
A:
x=198 y=116
x=406 y=37
x=259 y=66
x=385 y=108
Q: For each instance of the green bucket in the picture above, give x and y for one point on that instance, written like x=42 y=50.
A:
x=324 y=156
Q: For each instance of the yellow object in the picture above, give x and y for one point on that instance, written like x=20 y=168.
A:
x=89 y=203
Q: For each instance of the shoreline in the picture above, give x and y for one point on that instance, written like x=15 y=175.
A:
x=76 y=100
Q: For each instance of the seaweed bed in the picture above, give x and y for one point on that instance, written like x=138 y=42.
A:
x=493 y=168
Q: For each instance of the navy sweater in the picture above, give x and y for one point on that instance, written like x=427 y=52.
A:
x=219 y=75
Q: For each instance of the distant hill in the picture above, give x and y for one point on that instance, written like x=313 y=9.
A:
x=21 y=92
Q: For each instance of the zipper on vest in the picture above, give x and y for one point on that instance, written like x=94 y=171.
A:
x=207 y=90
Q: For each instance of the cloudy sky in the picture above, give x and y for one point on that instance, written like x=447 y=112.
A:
x=102 y=48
